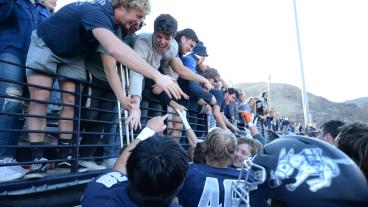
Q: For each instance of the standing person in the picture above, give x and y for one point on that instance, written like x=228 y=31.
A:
x=159 y=49
x=60 y=45
x=149 y=173
x=17 y=20
x=260 y=117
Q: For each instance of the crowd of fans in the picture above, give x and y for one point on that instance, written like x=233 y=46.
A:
x=86 y=42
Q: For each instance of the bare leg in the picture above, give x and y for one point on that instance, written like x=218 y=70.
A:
x=67 y=112
x=38 y=108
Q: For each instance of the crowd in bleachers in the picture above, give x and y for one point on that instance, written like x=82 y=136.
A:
x=78 y=85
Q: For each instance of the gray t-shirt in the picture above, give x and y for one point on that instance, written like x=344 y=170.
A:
x=94 y=62
x=143 y=46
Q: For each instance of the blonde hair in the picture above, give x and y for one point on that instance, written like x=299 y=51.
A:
x=143 y=6
x=254 y=145
x=219 y=145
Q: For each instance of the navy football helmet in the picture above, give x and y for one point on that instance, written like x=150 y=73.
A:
x=301 y=171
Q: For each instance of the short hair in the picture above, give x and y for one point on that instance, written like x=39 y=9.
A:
x=255 y=145
x=333 y=127
x=143 y=6
x=188 y=33
x=156 y=169
x=211 y=73
x=166 y=24
x=353 y=140
x=219 y=145
x=231 y=91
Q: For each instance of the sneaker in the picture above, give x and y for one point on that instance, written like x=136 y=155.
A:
x=109 y=163
x=37 y=171
x=92 y=166
x=16 y=168
x=67 y=165
x=7 y=173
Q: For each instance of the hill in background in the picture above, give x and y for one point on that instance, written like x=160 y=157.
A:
x=287 y=100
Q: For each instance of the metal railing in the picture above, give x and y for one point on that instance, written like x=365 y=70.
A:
x=66 y=179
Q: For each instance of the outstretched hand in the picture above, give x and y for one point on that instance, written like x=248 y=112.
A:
x=134 y=118
x=170 y=87
x=157 y=123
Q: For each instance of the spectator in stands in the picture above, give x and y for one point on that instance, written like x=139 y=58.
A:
x=96 y=97
x=87 y=24
x=17 y=20
x=223 y=98
x=159 y=49
x=246 y=148
x=330 y=130
x=260 y=117
x=152 y=170
x=206 y=183
x=353 y=140
x=264 y=99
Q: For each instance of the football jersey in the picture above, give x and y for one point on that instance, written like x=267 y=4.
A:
x=208 y=186
x=109 y=190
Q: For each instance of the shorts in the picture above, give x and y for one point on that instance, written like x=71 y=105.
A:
x=42 y=58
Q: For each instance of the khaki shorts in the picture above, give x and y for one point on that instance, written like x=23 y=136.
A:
x=42 y=58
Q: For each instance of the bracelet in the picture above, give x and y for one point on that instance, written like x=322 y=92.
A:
x=145 y=133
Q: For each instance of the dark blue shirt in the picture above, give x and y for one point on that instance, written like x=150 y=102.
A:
x=206 y=184
x=109 y=190
x=68 y=33
x=219 y=95
x=17 y=21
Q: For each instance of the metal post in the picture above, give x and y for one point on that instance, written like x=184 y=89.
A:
x=307 y=117
x=122 y=78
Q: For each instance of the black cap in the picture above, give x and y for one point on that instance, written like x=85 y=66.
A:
x=200 y=49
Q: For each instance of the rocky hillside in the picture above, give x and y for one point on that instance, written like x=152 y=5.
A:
x=287 y=99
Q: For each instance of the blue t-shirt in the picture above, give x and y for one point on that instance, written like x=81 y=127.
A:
x=68 y=33
x=208 y=186
x=190 y=62
x=109 y=190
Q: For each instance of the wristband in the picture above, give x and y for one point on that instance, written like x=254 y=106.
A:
x=250 y=124
x=145 y=133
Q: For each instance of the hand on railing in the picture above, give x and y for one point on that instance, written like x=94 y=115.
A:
x=134 y=119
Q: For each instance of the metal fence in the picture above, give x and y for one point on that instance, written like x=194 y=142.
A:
x=56 y=180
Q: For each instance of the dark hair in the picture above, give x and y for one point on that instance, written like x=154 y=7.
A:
x=166 y=24
x=353 y=140
x=188 y=33
x=211 y=73
x=233 y=91
x=333 y=127
x=156 y=170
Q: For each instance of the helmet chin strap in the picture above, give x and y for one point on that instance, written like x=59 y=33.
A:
x=251 y=175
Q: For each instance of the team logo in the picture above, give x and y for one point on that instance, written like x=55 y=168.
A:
x=314 y=168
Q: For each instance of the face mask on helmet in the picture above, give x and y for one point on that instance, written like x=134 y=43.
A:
x=301 y=171
x=251 y=175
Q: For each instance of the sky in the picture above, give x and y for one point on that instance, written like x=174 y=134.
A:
x=252 y=40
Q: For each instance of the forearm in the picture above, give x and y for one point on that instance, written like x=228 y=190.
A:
x=218 y=116
x=112 y=76
x=120 y=165
x=136 y=80
x=226 y=121
x=124 y=54
x=192 y=138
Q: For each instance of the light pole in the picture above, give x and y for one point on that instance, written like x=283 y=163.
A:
x=307 y=116
x=268 y=90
